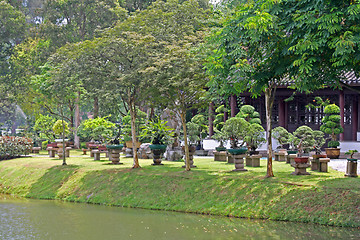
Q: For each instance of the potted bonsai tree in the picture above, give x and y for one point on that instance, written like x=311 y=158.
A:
x=220 y=153
x=319 y=141
x=200 y=121
x=351 y=167
x=306 y=142
x=61 y=129
x=282 y=136
x=331 y=125
x=236 y=129
x=221 y=137
x=114 y=147
x=160 y=135
x=254 y=137
x=193 y=137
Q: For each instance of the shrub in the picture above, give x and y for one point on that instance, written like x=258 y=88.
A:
x=331 y=124
x=14 y=146
x=44 y=144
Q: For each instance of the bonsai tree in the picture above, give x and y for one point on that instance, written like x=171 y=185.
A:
x=351 y=153
x=235 y=129
x=254 y=136
x=331 y=124
x=249 y=114
x=192 y=133
x=319 y=141
x=220 y=136
x=281 y=135
x=158 y=132
x=306 y=139
x=201 y=121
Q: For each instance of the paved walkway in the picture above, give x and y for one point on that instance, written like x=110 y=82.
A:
x=340 y=165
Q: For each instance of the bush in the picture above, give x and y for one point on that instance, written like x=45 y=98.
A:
x=44 y=144
x=11 y=147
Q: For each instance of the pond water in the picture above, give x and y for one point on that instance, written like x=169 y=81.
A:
x=41 y=219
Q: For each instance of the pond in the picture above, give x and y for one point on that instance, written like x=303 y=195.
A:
x=41 y=219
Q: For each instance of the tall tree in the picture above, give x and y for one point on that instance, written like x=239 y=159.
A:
x=250 y=55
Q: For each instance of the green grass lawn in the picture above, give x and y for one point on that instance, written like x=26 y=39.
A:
x=211 y=188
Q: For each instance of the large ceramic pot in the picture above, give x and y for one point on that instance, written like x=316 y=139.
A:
x=157 y=150
x=292 y=151
x=115 y=146
x=220 y=149
x=301 y=159
x=332 y=152
x=237 y=151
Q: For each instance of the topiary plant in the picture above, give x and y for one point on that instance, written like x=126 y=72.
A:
x=235 y=129
x=281 y=135
x=249 y=114
x=331 y=124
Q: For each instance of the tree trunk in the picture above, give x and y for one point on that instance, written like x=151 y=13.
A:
x=96 y=107
x=187 y=158
x=63 y=137
x=133 y=134
x=77 y=122
x=269 y=100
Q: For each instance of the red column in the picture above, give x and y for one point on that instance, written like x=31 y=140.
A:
x=342 y=112
x=211 y=119
x=233 y=105
x=281 y=113
x=354 y=118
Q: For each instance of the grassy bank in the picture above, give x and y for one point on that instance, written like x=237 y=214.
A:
x=211 y=188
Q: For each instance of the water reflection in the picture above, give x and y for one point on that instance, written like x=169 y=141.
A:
x=34 y=219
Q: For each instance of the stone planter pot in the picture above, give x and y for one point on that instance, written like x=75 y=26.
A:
x=253 y=161
x=220 y=156
x=351 y=168
x=315 y=163
x=157 y=150
x=301 y=159
x=114 y=155
x=332 y=153
x=130 y=145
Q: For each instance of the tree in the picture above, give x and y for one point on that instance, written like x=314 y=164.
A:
x=12 y=29
x=43 y=126
x=250 y=55
x=176 y=73
x=57 y=90
x=153 y=45
x=324 y=41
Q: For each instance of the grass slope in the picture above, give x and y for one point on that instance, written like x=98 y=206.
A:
x=211 y=188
